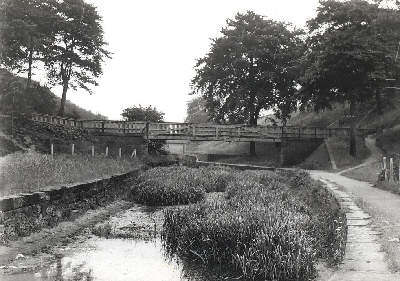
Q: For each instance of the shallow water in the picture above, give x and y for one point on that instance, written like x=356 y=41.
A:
x=94 y=258
x=113 y=259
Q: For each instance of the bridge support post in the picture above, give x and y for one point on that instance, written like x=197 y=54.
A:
x=281 y=153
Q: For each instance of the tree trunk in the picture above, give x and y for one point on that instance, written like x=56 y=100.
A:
x=353 y=145
x=63 y=99
x=30 y=62
x=253 y=149
x=253 y=122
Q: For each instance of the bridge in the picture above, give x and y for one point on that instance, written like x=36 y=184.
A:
x=197 y=132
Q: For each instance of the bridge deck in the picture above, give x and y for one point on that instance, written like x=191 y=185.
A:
x=198 y=132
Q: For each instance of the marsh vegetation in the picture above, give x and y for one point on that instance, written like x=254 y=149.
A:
x=264 y=226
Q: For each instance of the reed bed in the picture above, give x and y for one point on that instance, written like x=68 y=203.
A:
x=31 y=171
x=270 y=226
x=178 y=185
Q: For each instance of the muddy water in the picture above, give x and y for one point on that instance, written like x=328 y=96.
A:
x=91 y=257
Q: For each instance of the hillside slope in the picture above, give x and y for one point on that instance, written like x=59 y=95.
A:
x=368 y=117
x=38 y=99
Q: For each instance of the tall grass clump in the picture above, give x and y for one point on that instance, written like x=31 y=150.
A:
x=215 y=179
x=31 y=171
x=175 y=185
x=262 y=230
x=169 y=186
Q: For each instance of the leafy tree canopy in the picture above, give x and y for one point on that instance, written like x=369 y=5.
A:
x=351 y=51
x=25 y=34
x=140 y=113
x=196 y=111
x=66 y=35
x=78 y=51
x=250 y=67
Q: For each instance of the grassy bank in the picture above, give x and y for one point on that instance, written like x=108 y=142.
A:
x=340 y=147
x=267 y=226
x=27 y=172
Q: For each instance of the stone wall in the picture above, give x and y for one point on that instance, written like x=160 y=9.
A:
x=23 y=214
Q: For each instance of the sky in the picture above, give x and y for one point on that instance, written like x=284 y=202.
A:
x=155 y=45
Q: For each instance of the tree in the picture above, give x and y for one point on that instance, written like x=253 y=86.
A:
x=140 y=113
x=346 y=60
x=147 y=114
x=25 y=34
x=196 y=111
x=248 y=69
x=78 y=50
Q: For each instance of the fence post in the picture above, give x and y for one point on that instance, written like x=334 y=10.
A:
x=73 y=149
x=384 y=168
x=216 y=131
x=398 y=171
x=92 y=150
x=147 y=138
x=120 y=152
x=106 y=151
x=391 y=171
x=52 y=149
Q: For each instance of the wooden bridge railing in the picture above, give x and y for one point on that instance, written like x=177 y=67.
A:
x=170 y=130
x=242 y=132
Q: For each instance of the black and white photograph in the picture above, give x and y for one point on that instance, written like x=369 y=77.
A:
x=213 y=140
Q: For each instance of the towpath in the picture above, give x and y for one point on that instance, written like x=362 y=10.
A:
x=375 y=155
x=373 y=215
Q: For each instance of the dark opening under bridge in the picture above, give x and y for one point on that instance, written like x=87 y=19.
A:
x=198 y=132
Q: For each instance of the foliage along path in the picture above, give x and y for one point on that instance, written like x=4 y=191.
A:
x=372 y=247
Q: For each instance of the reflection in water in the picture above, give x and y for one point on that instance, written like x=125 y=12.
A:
x=116 y=259
x=121 y=259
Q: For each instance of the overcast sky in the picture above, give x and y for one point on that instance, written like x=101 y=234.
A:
x=156 y=44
